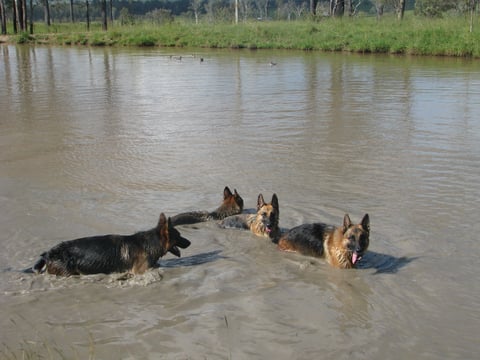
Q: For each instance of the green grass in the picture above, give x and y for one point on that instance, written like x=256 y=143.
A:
x=413 y=36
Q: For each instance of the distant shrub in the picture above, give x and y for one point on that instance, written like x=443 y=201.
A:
x=434 y=8
x=23 y=38
x=160 y=16
x=125 y=17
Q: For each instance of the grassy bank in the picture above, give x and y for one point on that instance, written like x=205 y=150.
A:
x=414 y=35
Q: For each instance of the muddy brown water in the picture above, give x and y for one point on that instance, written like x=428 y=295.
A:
x=96 y=141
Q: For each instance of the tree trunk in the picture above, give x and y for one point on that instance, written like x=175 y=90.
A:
x=21 y=13
x=88 y=16
x=337 y=7
x=379 y=11
x=236 y=11
x=472 y=11
x=104 y=15
x=72 y=16
x=349 y=7
x=3 y=18
x=14 y=16
x=18 y=16
x=313 y=6
x=111 y=11
x=31 y=17
x=24 y=15
x=47 y=13
x=401 y=9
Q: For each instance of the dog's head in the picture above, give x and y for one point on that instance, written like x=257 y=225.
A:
x=269 y=213
x=232 y=202
x=356 y=237
x=170 y=237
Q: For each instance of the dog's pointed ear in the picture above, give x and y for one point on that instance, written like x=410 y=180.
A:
x=163 y=220
x=226 y=193
x=366 y=223
x=275 y=202
x=346 y=222
x=235 y=192
x=260 y=201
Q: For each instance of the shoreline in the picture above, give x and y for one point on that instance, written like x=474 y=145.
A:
x=415 y=36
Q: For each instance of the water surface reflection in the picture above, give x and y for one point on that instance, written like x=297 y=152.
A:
x=99 y=141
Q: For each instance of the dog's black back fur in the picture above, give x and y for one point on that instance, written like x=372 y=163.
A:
x=309 y=238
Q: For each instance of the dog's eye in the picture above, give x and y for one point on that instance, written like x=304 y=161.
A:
x=264 y=214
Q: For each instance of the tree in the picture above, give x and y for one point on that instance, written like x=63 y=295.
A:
x=196 y=5
x=472 y=11
x=88 y=14
x=245 y=7
x=19 y=15
x=294 y=8
x=125 y=17
x=349 y=7
x=3 y=17
x=72 y=17
x=236 y=11
x=31 y=16
x=46 y=11
x=262 y=6
x=379 y=6
x=434 y=8
x=104 y=15
x=313 y=6
x=24 y=14
x=400 y=9
x=21 y=8
x=337 y=7
x=14 y=16
x=160 y=16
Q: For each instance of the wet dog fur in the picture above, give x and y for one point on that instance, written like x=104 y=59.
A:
x=263 y=223
x=232 y=204
x=113 y=253
x=342 y=246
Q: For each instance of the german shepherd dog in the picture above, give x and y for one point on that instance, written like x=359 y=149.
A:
x=232 y=204
x=263 y=223
x=341 y=246
x=112 y=253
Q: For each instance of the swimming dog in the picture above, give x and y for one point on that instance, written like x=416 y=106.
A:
x=263 y=223
x=232 y=204
x=113 y=253
x=341 y=246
